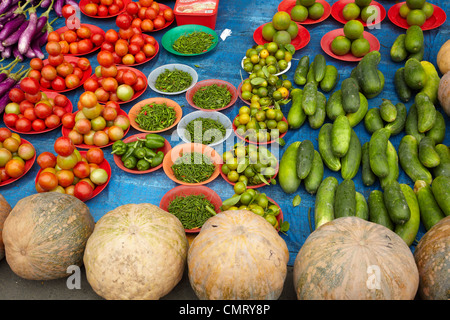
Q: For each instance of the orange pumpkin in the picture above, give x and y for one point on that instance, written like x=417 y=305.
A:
x=136 y=252
x=237 y=255
x=353 y=259
x=432 y=257
x=5 y=209
x=45 y=233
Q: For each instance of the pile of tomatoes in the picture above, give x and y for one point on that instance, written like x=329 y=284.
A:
x=33 y=110
x=95 y=124
x=14 y=153
x=103 y=8
x=58 y=73
x=146 y=15
x=69 y=171
x=77 y=41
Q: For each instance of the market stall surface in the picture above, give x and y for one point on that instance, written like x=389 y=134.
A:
x=223 y=62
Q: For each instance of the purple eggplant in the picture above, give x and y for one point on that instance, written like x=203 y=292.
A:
x=37 y=44
x=8 y=16
x=6 y=53
x=46 y=3
x=5 y=71
x=4 y=6
x=27 y=35
x=14 y=38
x=11 y=26
x=10 y=81
x=58 y=5
x=16 y=53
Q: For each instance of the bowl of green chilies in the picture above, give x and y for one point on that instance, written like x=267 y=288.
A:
x=212 y=95
x=189 y=40
x=172 y=79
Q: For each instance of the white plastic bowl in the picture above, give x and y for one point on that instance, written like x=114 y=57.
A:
x=181 y=128
x=277 y=74
x=175 y=66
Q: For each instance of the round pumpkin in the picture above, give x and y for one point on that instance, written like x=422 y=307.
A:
x=136 y=252
x=443 y=58
x=5 y=209
x=444 y=92
x=45 y=233
x=237 y=255
x=432 y=255
x=353 y=259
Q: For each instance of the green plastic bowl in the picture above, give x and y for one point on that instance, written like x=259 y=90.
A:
x=173 y=34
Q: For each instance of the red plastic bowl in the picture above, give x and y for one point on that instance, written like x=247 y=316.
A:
x=336 y=12
x=68 y=108
x=299 y=42
x=86 y=74
x=28 y=166
x=191 y=92
x=65 y=132
x=255 y=142
x=328 y=38
x=165 y=149
x=181 y=191
x=136 y=94
x=287 y=5
x=146 y=60
x=94 y=30
x=168 y=23
x=436 y=20
x=98 y=189
x=85 y=2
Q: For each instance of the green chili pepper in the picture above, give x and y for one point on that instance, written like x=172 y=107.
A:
x=129 y=153
x=193 y=43
x=142 y=165
x=119 y=148
x=157 y=159
x=139 y=153
x=149 y=153
x=153 y=141
x=130 y=162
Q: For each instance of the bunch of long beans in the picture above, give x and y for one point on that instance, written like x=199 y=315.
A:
x=173 y=80
x=155 y=117
x=193 y=167
x=205 y=130
x=212 y=97
x=191 y=210
x=193 y=43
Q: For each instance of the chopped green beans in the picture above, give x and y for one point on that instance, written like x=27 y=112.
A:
x=155 y=117
x=212 y=97
x=193 y=167
x=193 y=43
x=192 y=210
x=173 y=81
x=205 y=131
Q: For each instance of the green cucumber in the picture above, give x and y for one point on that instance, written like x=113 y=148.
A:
x=414 y=40
x=345 y=202
x=427 y=153
x=331 y=78
x=397 y=126
x=334 y=106
x=396 y=203
x=388 y=111
x=368 y=177
x=441 y=192
x=443 y=169
x=392 y=158
x=362 y=208
x=350 y=95
x=382 y=82
x=403 y=91
x=398 y=49
x=419 y=55
x=351 y=161
x=325 y=199
x=341 y=133
x=430 y=211
x=318 y=118
x=331 y=161
x=408 y=155
x=315 y=176
x=296 y=116
x=309 y=100
x=356 y=117
x=411 y=125
x=287 y=172
x=301 y=71
x=373 y=121
x=320 y=65
x=415 y=76
x=426 y=112
x=437 y=132
x=408 y=231
x=377 y=152
x=367 y=74
x=310 y=77
x=431 y=87
x=378 y=212
x=305 y=155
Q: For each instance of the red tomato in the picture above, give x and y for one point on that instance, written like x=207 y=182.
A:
x=88 y=99
x=97 y=39
x=139 y=85
x=10 y=119
x=36 y=64
x=110 y=71
x=58 y=84
x=59 y=111
x=16 y=95
x=23 y=124
x=48 y=72
x=83 y=191
x=150 y=39
x=102 y=11
x=129 y=77
x=61 y=100
x=46 y=160
x=138 y=39
x=124 y=20
x=150 y=13
x=34 y=98
x=107 y=46
x=126 y=33
x=56 y=60
x=149 y=50
x=147 y=25
x=105 y=58
x=53 y=36
x=91 y=9
x=111 y=36
x=43 y=110
x=64 y=146
x=25 y=104
x=64 y=69
x=145 y=3
x=47 y=180
x=29 y=85
x=95 y=155
x=68 y=120
x=85 y=46
x=101 y=94
x=113 y=104
x=68 y=11
x=84 y=32
x=69 y=36
x=38 y=125
x=121 y=48
x=30 y=114
x=81 y=170
x=133 y=48
x=159 y=22
x=110 y=84
x=53 y=48
x=109 y=113
x=65 y=177
x=132 y=8
x=90 y=85
x=15 y=168
x=113 y=9
x=168 y=14
x=52 y=121
x=72 y=81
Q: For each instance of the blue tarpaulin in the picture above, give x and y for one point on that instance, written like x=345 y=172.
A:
x=223 y=62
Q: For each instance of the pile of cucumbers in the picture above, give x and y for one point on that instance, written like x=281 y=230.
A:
x=387 y=115
x=323 y=75
x=408 y=45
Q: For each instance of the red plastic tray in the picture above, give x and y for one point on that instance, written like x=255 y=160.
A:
x=28 y=166
x=336 y=12
x=299 y=42
x=94 y=29
x=287 y=5
x=436 y=20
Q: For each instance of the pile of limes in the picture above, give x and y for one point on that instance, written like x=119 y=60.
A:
x=281 y=29
x=260 y=124
x=275 y=58
x=307 y=9
x=416 y=12
x=352 y=41
x=361 y=9
x=249 y=164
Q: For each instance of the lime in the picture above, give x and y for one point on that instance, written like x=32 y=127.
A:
x=262 y=92
x=281 y=20
x=272 y=69
x=268 y=31
x=251 y=52
x=246 y=197
x=273 y=79
x=275 y=210
x=287 y=84
x=233 y=176
x=262 y=62
x=428 y=9
x=248 y=172
x=244 y=110
x=299 y=13
x=240 y=188
x=264 y=53
x=282 y=127
x=271 y=114
x=369 y=14
x=248 y=66
x=272 y=47
x=351 y=11
x=416 y=17
x=225 y=169
x=341 y=45
x=244 y=118
x=287 y=56
x=279 y=54
x=316 y=11
x=243 y=179
x=415 y=4
x=258 y=210
x=353 y=29
x=271 y=219
x=363 y=3
x=404 y=10
x=282 y=37
x=254 y=58
x=293 y=29
x=306 y=3
x=262 y=200
x=246 y=95
x=360 y=47
x=278 y=115
x=282 y=64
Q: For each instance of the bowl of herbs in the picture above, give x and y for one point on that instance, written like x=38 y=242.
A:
x=172 y=79
x=212 y=95
x=190 y=40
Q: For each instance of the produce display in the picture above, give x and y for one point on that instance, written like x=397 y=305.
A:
x=356 y=201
